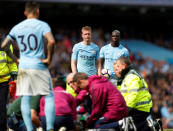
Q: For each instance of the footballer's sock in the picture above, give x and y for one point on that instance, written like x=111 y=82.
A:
x=50 y=111
x=26 y=112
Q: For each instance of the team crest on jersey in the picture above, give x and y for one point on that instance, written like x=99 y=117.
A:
x=93 y=51
x=119 y=54
x=2 y=54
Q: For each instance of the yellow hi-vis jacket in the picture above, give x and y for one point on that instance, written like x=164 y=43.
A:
x=70 y=90
x=7 y=66
x=135 y=92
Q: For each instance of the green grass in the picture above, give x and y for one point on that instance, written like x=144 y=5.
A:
x=168 y=130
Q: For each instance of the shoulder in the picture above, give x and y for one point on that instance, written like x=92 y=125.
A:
x=77 y=45
x=131 y=78
x=43 y=22
x=106 y=46
x=19 y=24
x=94 y=44
x=122 y=47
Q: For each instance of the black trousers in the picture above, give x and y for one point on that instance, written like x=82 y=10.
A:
x=4 y=89
x=139 y=118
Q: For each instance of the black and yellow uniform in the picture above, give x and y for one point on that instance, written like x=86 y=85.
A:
x=8 y=70
x=136 y=94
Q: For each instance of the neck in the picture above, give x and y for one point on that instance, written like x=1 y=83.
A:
x=115 y=44
x=31 y=16
x=125 y=71
x=87 y=42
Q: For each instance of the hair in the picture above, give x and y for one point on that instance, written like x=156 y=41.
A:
x=31 y=7
x=70 y=75
x=88 y=28
x=69 y=78
x=60 y=81
x=80 y=76
x=116 y=31
x=125 y=60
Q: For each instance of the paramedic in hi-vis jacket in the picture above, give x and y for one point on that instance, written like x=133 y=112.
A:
x=135 y=91
x=8 y=72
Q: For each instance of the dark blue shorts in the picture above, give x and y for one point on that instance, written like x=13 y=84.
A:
x=104 y=123
x=66 y=121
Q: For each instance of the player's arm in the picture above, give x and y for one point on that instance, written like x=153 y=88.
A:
x=6 y=46
x=97 y=60
x=50 y=47
x=74 y=66
x=74 y=58
x=100 y=65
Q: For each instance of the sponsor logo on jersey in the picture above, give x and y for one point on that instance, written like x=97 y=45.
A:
x=93 y=51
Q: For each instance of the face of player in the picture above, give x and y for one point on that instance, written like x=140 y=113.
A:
x=86 y=35
x=118 y=68
x=82 y=84
x=70 y=83
x=115 y=37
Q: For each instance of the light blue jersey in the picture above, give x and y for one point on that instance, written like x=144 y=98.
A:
x=111 y=54
x=86 y=56
x=29 y=35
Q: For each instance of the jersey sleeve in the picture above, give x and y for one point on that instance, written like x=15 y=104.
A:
x=46 y=28
x=74 y=52
x=102 y=53
x=11 y=35
x=126 y=53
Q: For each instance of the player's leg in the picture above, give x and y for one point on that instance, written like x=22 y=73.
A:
x=42 y=84
x=50 y=111
x=50 y=107
x=26 y=112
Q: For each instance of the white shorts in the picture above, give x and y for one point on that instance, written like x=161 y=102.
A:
x=33 y=82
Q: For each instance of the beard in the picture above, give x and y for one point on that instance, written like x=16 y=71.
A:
x=115 y=43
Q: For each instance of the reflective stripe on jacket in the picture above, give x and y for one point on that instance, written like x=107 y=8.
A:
x=135 y=92
x=11 y=64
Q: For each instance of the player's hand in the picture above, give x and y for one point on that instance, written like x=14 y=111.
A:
x=45 y=61
x=99 y=73
x=12 y=88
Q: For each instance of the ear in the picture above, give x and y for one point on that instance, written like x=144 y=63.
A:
x=38 y=11
x=25 y=13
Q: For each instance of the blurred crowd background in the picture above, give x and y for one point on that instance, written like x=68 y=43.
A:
x=148 y=23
